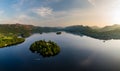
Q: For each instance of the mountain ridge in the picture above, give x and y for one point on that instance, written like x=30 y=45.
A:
x=107 y=32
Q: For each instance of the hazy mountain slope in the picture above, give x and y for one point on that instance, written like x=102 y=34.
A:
x=16 y=29
x=108 y=32
x=109 y=28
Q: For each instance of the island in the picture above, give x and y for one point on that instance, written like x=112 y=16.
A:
x=45 y=48
x=58 y=33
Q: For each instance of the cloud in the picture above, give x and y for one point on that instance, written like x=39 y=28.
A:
x=21 y=18
x=88 y=60
x=24 y=18
x=53 y=0
x=92 y=2
x=43 y=11
x=18 y=5
x=22 y=2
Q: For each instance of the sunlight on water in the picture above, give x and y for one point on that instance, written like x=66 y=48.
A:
x=77 y=53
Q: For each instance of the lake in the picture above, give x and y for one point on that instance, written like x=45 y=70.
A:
x=78 y=53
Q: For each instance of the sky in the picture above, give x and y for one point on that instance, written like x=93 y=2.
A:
x=60 y=12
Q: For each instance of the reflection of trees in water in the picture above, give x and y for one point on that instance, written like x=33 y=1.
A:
x=44 y=48
x=74 y=33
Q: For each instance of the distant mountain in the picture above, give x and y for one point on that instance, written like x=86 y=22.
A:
x=107 y=32
x=109 y=28
x=24 y=30
x=16 y=29
x=95 y=27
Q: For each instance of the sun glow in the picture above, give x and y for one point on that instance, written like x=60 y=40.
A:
x=115 y=16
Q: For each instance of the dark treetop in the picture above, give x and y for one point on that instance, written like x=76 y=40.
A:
x=46 y=49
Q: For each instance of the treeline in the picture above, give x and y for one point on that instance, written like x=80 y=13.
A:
x=11 y=41
x=105 y=33
x=16 y=29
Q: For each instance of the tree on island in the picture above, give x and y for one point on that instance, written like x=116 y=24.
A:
x=46 y=49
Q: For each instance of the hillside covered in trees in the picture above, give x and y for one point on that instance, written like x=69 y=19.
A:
x=105 y=33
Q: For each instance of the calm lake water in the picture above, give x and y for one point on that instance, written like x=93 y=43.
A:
x=78 y=53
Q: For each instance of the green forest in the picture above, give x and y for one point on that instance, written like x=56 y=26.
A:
x=46 y=49
x=9 y=40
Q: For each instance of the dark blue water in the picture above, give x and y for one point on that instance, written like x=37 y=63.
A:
x=77 y=54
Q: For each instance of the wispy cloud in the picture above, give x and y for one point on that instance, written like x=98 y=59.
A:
x=53 y=0
x=18 y=5
x=21 y=18
x=92 y=2
x=43 y=11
